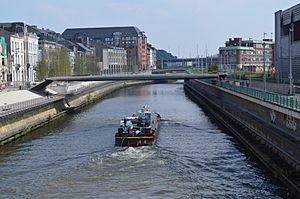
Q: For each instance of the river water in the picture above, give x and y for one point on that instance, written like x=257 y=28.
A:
x=76 y=157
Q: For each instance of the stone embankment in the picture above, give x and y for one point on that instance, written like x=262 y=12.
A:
x=268 y=130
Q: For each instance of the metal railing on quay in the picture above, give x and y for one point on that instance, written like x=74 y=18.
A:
x=20 y=106
x=285 y=101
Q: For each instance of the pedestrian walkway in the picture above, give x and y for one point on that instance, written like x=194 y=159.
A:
x=11 y=97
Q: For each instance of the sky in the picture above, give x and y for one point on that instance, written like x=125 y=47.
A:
x=182 y=27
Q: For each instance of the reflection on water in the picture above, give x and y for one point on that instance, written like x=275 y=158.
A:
x=76 y=157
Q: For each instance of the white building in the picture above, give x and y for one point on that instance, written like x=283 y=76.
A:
x=24 y=54
x=31 y=56
x=17 y=59
x=114 y=60
x=152 y=58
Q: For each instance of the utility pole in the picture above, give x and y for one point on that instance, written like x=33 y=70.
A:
x=202 y=64
x=264 y=58
x=206 y=56
x=197 y=59
x=250 y=66
x=221 y=67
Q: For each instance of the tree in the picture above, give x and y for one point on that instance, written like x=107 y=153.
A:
x=64 y=65
x=79 y=65
x=42 y=67
x=92 y=67
x=213 y=68
x=53 y=62
x=86 y=65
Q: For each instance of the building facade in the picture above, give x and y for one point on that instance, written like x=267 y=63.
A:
x=3 y=63
x=110 y=59
x=31 y=55
x=23 y=51
x=18 y=61
x=151 y=56
x=250 y=55
x=133 y=40
x=287 y=44
x=114 y=61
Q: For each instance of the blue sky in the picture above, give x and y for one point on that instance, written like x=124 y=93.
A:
x=175 y=25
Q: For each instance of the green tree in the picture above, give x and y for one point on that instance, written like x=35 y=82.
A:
x=92 y=67
x=79 y=65
x=64 y=65
x=213 y=68
x=53 y=62
x=86 y=65
x=42 y=67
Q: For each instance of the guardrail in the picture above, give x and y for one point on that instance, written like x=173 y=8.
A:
x=20 y=106
x=281 y=100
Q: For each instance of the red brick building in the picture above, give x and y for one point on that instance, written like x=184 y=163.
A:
x=250 y=55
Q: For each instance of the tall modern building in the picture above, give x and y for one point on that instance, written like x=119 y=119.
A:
x=132 y=39
x=287 y=43
x=250 y=55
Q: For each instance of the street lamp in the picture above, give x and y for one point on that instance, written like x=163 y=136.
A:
x=264 y=58
x=291 y=74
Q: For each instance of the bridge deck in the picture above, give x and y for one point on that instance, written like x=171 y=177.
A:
x=40 y=87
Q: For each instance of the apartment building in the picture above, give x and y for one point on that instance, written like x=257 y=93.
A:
x=132 y=39
x=250 y=55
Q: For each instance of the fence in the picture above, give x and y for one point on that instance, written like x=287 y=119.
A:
x=16 y=107
x=275 y=98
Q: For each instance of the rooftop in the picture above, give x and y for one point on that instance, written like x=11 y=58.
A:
x=101 y=32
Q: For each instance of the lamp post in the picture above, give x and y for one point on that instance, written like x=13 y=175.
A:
x=291 y=74
x=250 y=66
x=264 y=59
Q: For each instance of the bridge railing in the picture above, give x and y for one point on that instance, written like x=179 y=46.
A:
x=285 y=101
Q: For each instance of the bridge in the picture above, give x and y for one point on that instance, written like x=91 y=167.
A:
x=169 y=70
x=156 y=77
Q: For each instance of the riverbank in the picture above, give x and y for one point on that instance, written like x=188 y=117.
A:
x=26 y=117
x=268 y=130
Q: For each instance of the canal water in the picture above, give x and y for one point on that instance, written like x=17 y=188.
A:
x=76 y=157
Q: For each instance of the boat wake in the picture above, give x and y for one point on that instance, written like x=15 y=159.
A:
x=127 y=156
x=134 y=153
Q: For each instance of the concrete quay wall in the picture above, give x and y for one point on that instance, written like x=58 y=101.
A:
x=20 y=123
x=95 y=94
x=269 y=131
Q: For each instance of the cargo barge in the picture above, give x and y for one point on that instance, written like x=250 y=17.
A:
x=140 y=129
